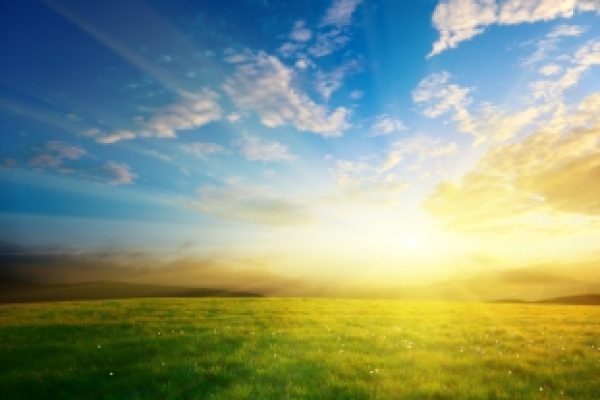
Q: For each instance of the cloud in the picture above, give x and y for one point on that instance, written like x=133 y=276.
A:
x=8 y=163
x=55 y=153
x=118 y=173
x=328 y=42
x=300 y=33
x=302 y=63
x=116 y=136
x=584 y=58
x=340 y=12
x=357 y=94
x=519 y=11
x=193 y=110
x=201 y=149
x=419 y=147
x=500 y=125
x=542 y=182
x=584 y=116
x=251 y=204
x=333 y=35
x=550 y=69
x=158 y=155
x=287 y=50
x=233 y=117
x=376 y=180
x=45 y=161
x=460 y=20
x=64 y=150
x=254 y=148
x=550 y=41
x=264 y=85
x=385 y=125
x=363 y=182
x=437 y=96
x=328 y=82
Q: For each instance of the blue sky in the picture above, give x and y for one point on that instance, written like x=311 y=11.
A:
x=305 y=131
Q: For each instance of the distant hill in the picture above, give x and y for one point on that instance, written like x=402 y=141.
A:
x=591 y=299
x=23 y=292
x=583 y=299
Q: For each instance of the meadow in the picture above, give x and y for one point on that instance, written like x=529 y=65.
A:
x=265 y=348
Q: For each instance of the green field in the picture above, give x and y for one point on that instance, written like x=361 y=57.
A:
x=298 y=349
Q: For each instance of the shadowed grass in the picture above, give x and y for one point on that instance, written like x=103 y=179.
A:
x=298 y=348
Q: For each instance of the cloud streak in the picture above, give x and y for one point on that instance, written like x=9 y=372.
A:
x=193 y=111
x=254 y=148
x=239 y=202
x=118 y=173
x=55 y=153
x=263 y=84
x=461 y=20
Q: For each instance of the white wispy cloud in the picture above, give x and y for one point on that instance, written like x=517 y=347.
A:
x=118 y=173
x=263 y=84
x=438 y=96
x=202 y=149
x=362 y=181
x=385 y=125
x=382 y=178
x=158 y=155
x=584 y=115
x=357 y=94
x=298 y=37
x=286 y=50
x=55 y=153
x=550 y=41
x=332 y=35
x=335 y=28
x=254 y=148
x=550 y=69
x=340 y=12
x=300 y=33
x=419 y=147
x=116 y=136
x=233 y=117
x=193 y=110
x=326 y=83
x=302 y=63
x=586 y=57
x=460 y=20
x=329 y=42
x=500 y=125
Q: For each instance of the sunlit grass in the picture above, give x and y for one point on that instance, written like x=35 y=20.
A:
x=296 y=348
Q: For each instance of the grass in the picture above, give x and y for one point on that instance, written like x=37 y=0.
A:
x=298 y=349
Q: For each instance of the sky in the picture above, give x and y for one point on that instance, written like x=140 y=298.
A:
x=356 y=142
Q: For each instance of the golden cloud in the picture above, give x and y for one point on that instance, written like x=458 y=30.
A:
x=546 y=176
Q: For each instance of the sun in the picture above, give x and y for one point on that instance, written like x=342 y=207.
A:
x=413 y=242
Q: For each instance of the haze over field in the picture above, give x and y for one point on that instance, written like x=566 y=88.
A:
x=443 y=149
